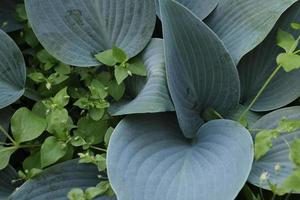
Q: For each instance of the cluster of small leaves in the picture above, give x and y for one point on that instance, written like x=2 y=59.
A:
x=264 y=138
x=290 y=59
x=103 y=188
x=123 y=68
x=263 y=144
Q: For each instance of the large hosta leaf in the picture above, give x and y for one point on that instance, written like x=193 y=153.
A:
x=12 y=71
x=5 y=115
x=200 y=8
x=200 y=71
x=57 y=181
x=6 y=177
x=279 y=154
x=75 y=30
x=149 y=159
x=151 y=93
x=8 y=21
x=243 y=24
x=256 y=67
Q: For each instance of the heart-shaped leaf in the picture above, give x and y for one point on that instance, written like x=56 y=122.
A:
x=12 y=71
x=200 y=8
x=256 y=67
x=279 y=153
x=151 y=93
x=5 y=154
x=5 y=115
x=8 y=22
x=243 y=24
x=75 y=30
x=149 y=159
x=55 y=182
x=7 y=176
x=26 y=125
x=200 y=71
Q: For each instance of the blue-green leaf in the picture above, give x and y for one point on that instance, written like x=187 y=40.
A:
x=6 y=186
x=243 y=24
x=200 y=72
x=75 y=30
x=200 y=8
x=151 y=93
x=279 y=153
x=8 y=22
x=55 y=182
x=12 y=71
x=149 y=159
x=256 y=67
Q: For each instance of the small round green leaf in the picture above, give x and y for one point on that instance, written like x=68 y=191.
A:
x=5 y=153
x=52 y=150
x=26 y=125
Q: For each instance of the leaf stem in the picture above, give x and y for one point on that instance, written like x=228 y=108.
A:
x=29 y=146
x=7 y=135
x=260 y=92
x=7 y=144
x=99 y=149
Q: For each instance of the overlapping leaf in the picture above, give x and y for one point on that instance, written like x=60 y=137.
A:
x=6 y=186
x=75 y=30
x=200 y=71
x=279 y=153
x=149 y=159
x=57 y=181
x=12 y=71
x=151 y=93
x=256 y=67
x=8 y=22
x=200 y=8
x=243 y=24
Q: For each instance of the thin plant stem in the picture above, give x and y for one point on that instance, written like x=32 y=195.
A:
x=260 y=92
x=7 y=144
x=7 y=135
x=99 y=149
x=29 y=146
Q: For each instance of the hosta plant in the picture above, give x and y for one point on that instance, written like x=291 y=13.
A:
x=124 y=107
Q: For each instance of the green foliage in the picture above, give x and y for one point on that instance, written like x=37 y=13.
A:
x=66 y=114
x=264 y=138
x=89 y=193
x=290 y=60
x=123 y=68
x=26 y=126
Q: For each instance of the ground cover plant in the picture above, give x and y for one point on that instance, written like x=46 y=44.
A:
x=149 y=99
